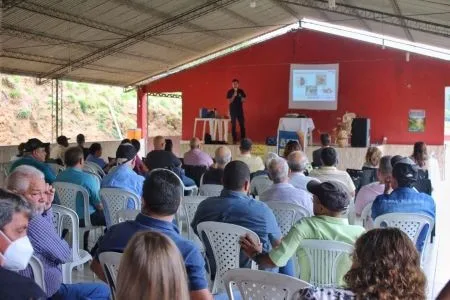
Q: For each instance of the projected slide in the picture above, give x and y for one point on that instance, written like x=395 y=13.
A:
x=313 y=87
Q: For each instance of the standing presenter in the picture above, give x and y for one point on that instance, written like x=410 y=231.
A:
x=236 y=97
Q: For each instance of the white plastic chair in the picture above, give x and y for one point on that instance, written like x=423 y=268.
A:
x=115 y=199
x=93 y=167
x=224 y=241
x=110 y=262
x=287 y=214
x=366 y=217
x=410 y=223
x=79 y=256
x=56 y=168
x=192 y=190
x=255 y=284
x=189 y=205
x=324 y=257
x=38 y=272
x=127 y=215
x=210 y=190
x=67 y=194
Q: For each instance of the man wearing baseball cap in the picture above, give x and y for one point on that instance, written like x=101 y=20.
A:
x=331 y=200
x=405 y=198
x=58 y=151
x=34 y=155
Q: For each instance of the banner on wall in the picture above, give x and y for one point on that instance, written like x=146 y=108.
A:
x=416 y=120
x=284 y=137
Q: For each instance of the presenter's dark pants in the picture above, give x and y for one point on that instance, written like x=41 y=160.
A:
x=239 y=116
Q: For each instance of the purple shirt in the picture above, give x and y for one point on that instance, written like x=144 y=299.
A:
x=197 y=157
x=49 y=248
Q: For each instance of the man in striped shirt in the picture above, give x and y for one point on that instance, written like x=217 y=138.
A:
x=48 y=246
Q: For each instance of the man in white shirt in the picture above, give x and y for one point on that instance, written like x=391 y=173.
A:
x=59 y=150
x=281 y=190
x=329 y=172
x=369 y=192
x=254 y=163
x=297 y=162
x=260 y=183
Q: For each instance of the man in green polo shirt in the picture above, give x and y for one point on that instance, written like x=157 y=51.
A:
x=331 y=201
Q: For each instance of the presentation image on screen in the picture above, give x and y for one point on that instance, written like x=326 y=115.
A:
x=314 y=87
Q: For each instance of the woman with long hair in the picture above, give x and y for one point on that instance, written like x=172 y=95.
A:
x=386 y=266
x=151 y=269
x=373 y=157
x=420 y=154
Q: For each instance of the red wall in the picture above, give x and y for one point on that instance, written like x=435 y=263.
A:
x=374 y=83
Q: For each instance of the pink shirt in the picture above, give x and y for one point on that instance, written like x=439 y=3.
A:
x=367 y=195
x=197 y=157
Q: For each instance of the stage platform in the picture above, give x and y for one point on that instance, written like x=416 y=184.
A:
x=349 y=158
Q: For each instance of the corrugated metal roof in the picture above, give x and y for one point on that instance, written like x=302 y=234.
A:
x=124 y=41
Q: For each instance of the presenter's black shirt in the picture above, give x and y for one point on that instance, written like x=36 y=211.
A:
x=236 y=105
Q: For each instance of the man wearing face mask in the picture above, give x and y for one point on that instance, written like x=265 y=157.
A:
x=49 y=247
x=15 y=249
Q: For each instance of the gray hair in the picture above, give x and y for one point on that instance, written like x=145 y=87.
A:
x=11 y=204
x=295 y=164
x=269 y=157
x=278 y=170
x=222 y=159
x=19 y=179
x=385 y=166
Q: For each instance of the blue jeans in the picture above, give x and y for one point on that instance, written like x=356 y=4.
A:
x=83 y=291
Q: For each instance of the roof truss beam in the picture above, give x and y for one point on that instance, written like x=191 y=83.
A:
x=362 y=21
x=397 y=11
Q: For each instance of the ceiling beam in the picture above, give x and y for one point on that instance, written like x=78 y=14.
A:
x=287 y=9
x=362 y=21
x=53 y=13
x=397 y=11
x=377 y=16
x=239 y=17
x=8 y=4
x=162 y=15
x=53 y=40
x=164 y=26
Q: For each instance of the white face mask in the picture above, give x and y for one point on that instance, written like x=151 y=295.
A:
x=18 y=254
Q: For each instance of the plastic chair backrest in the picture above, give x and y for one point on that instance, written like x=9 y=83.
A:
x=67 y=194
x=115 y=199
x=366 y=216
x=56 y=168
x=324 y=257
x=63 y=216
x=224 y=241
x=287 y=214
x=38 y=272
x=210 y=190
x=127 y=215
x=110 y=262
x=190 y=204
x=95 y=168
x=255 y=284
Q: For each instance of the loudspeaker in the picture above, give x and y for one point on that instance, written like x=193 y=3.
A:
x=360 y=132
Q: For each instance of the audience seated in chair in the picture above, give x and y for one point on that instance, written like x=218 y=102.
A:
x=325 y=141
x=368 y=193
x=48 y=246
x=290 y=147
x=123 y=176
x=195 y=156
x=234 y=206
x=405 y=198
x=74 y=174
x=152 y=268
x=373 y=156
x=20 y=149
x=281 y=190
x=58 y=151
x=420 y=155
x=15 y=249
x=95 y=156
x=328 y=170
x=331 y=201
x=214 y=174
x=261 y=182
x=139 y=167
x=34 y=155
x=161 y=199
x=297 y=162
x=81 y=140
x=385 y=266
x=253 y=162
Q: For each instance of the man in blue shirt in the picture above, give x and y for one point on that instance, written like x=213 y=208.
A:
x=404 y=197
x=161 y=199
x=234 y=206
x=74 y=160
x=34 y=155
x=123 y=176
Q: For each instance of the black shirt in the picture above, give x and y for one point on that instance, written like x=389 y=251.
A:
x=236 y=105
x=161 y=159
x=213 y=176
x=16 y=287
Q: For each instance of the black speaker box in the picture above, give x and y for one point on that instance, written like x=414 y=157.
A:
x=360 y=132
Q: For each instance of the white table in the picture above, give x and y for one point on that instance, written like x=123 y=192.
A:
x=304 y=125
x=205 y=121
x=219 y=126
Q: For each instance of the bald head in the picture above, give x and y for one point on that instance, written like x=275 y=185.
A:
x=297 y=161
x=159 y=142
x=194 y=143
x=222 y=156
x=278 y=170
